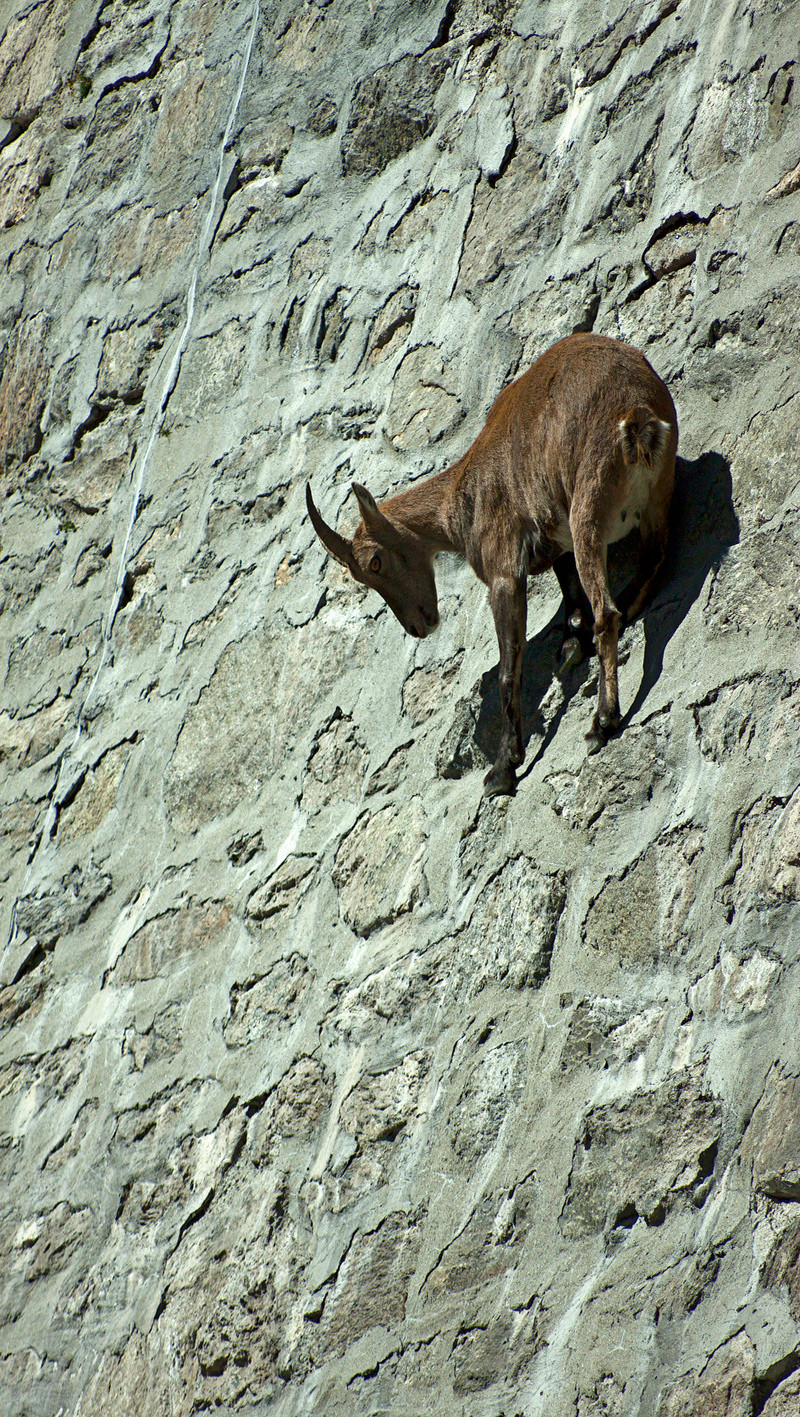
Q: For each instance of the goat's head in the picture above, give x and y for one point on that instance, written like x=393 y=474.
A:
x=387 y=557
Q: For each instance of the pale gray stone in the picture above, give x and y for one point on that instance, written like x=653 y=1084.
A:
x=327 y=1086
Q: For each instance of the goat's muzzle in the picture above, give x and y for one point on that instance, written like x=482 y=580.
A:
x=423 y=624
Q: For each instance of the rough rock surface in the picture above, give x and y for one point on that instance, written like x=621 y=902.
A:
x=327 y=1086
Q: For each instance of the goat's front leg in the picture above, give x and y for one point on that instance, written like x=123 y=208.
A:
x=509 y=608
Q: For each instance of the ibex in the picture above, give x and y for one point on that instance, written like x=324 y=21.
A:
x=574 y=454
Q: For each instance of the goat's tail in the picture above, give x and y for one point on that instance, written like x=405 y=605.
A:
x=643 y=436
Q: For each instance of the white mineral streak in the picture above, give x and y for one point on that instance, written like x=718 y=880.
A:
x=138 y=481
x=544 y=1388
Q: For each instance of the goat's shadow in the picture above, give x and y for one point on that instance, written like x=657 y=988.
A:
x=703 y=525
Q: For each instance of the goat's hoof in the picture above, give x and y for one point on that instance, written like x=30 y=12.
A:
x=500 y=781
x=572 y=654
x=575 y=649
x=601 y=730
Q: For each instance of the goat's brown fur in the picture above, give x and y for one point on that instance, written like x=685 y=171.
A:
x=574 y=454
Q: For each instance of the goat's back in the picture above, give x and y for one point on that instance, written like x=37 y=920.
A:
x=574 y=397
x=555 y=431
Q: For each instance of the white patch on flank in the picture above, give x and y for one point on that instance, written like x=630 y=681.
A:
x=630 y=514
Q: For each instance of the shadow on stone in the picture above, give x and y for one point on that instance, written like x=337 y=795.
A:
x=704 y=525
x=538 y=668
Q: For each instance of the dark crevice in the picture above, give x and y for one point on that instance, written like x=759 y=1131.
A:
x=124 y=79
x=508 y=157
x=314 y=1315
x=705 y=1174
x=197 y=1214
x=284 y=330
x=30 y=962
x=419 y=197
x=788 y=228
x=72 y=792
x=123 y=1196
x=279 y=1207
x=638 y=39
x=721 y=327
x=232 y=185
x=639 y=290
x=234 y=181
x=764 y=1386
x=99 y=412
x=403 y=321
x=296 y=187
x=657 y=1215
x=706 y=1160
x=586 y=325
x=37 y=839
x=443 y=32
x=215 y=1368
x=656 y=21
x=15 y=130
x=91 y=34
x=237 y=273
x=36 y=443
x=678 y=219
x=131 y=576
x=626 y=1217
x=487 y=36
x=238 y=1148
x=327 y=309
x=126 y=593
x=390 y=1132
x=681 y=221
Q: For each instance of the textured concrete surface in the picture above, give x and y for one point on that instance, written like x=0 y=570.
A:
x=328 y=1086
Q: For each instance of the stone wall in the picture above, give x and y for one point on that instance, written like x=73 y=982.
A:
x=328 y=1086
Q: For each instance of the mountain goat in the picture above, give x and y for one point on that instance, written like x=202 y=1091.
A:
x=574 y=455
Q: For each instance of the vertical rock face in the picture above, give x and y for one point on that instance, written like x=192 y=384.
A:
x=328 y=1086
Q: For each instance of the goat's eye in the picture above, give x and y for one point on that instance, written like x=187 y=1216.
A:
x=375 y=565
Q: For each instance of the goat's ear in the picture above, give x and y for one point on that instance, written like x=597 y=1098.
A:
x=376 y=523
x=369 y=507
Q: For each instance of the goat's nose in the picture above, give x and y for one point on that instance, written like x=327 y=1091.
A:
x=431 y=618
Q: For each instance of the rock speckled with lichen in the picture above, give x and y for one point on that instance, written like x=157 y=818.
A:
x=328 y=1086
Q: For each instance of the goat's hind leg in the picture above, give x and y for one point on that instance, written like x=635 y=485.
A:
x=590 y=559
x=654 y=532
x=654 y=527
x=509 y=608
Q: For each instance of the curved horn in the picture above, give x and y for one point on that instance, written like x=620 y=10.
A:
x=376 y=523
x=331 y=540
